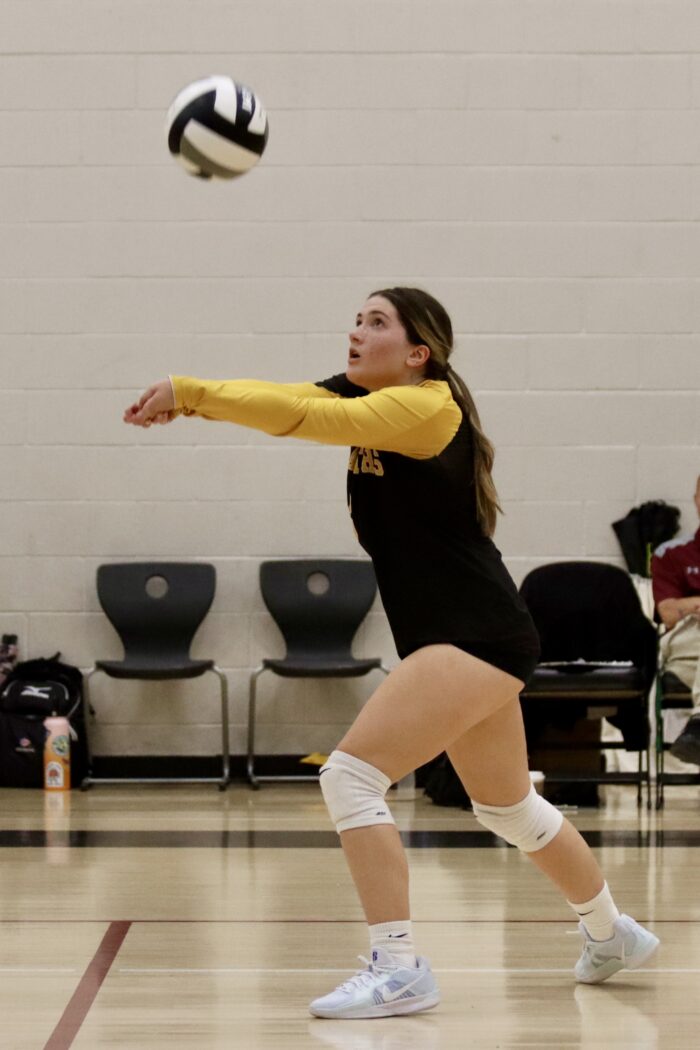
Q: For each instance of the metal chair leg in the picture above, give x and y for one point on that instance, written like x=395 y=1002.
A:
x=408 y=783
x=225 y=745
x=252 y=696
x=86 y=782
x=659 y=746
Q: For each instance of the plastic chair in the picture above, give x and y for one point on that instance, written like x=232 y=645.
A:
x=598 y=660
x=671 y=695
x=156 y=608
x=318 y=605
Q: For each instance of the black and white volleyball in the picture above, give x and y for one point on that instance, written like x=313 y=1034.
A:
x=217 y=128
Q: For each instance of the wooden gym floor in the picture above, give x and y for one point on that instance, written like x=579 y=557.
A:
x=146 y=918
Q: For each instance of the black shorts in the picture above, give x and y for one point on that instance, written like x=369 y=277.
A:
x=520 y=663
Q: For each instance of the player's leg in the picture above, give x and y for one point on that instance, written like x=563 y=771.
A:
x=428 y=700
x=491 y=760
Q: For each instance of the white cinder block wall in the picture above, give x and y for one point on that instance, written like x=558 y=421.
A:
x=534 y=163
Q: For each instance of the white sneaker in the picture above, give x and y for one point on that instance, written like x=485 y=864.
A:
x=382 y=990
x=628 y=949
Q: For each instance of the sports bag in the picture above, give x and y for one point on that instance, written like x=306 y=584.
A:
x=443 y=786
x=33 y=691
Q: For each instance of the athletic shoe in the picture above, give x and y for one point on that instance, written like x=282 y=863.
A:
x=628 y=949
x=382 y=990
x=687 y=745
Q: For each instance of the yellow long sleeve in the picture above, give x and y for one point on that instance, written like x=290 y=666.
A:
x=417 y=421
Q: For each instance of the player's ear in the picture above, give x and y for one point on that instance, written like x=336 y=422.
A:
x=418 y=356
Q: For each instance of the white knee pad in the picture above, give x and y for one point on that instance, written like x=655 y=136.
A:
x=354 y=792
x=530 y=825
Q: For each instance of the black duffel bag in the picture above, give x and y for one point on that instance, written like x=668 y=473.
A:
x=32 y=692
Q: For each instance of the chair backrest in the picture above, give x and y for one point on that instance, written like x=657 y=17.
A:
x=591 y=611
x=318 y=604
x=156 y=607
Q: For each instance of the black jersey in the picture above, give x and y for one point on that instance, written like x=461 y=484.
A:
x=412 y=499
x=440 y=578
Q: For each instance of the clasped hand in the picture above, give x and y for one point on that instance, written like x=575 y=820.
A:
x=156 y=405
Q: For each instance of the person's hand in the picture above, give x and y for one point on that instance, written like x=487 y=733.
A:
x=156 y=405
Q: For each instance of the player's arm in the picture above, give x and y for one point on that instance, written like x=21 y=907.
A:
x=418 y=421
x=415 y=420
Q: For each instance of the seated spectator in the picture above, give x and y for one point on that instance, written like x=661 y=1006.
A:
x=675 y=571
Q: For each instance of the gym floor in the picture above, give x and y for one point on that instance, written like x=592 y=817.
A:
x=158 y=917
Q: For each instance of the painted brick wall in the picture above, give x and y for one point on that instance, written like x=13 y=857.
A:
x=534 y=163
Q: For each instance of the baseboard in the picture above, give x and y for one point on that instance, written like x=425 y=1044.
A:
x=125 y=766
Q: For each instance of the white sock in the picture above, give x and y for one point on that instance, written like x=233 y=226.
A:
x=396 y=938
x=598 y=915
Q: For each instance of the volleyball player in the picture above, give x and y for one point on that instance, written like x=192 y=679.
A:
x=424 y=507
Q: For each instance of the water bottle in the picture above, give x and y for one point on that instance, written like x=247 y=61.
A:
x=57 y=754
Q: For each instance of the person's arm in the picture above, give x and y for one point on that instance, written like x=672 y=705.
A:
x=673 y=610
x=670 y=588
x=418 y=421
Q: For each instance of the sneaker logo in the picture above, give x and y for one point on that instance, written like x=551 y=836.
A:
x=389 y=997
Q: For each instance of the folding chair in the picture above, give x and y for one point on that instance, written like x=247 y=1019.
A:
x=156 y=608
x=318 y=605
x=598 y=660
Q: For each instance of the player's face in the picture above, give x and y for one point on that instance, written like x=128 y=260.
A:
x=380 y=354
x=697 y=496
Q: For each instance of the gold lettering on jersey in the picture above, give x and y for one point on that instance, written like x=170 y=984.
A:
x=365 y=461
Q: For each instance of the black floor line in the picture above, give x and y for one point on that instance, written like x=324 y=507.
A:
x=40 y=839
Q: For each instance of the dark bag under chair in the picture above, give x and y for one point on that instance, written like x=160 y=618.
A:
x=35 y=690
x=442 y=785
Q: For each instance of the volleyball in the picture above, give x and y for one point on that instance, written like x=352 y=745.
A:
x=216 y=128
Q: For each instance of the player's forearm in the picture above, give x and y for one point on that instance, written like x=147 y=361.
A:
x=275 y=408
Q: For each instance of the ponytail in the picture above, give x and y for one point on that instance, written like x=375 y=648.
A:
x=487 y=504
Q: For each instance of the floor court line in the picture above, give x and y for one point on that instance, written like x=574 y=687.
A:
x=69 y=1025
x=320 y=922
x=155 y=971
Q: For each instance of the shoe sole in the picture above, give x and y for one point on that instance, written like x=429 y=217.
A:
x=615 y=965
x=406 y=1006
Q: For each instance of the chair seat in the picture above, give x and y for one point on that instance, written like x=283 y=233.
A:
x=589 y=681
x=310 y=667
x=154 y=669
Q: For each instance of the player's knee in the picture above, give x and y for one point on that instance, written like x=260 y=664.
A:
x=354 y=792
x=530 y=824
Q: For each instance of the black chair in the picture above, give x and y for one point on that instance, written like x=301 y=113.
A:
x=671 y=694
x=598 y=660
x=318 y=606
x=156 y=608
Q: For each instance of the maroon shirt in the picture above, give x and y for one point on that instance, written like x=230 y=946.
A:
x=675 y=569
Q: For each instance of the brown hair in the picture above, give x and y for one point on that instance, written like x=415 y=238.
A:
x=426 y=322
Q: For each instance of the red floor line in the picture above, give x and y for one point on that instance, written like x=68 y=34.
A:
x=78 y=1008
